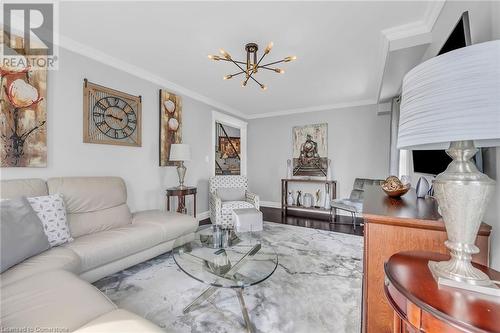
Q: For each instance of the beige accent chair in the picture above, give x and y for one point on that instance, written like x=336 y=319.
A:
x=52 y=290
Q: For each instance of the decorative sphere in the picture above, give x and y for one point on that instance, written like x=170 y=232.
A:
x=169 y=105
x=173 y=124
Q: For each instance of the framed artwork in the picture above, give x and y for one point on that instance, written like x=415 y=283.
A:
x=229 y=148
x=110 y=116
x=23 y=110
x=170 y=125
x=310 y=150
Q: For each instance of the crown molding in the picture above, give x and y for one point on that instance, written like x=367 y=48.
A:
x=102 y=57
x=313 y=109
x=406 y=36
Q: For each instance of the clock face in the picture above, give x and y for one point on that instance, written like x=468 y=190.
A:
x=114 y=117
x=111 y=116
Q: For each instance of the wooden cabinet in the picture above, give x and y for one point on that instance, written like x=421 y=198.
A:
x=394 y=225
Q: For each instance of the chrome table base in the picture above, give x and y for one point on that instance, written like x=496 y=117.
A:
x=205 y=295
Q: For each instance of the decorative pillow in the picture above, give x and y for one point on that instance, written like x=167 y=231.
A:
x=21 y=233
x=52 y=212
x=231 y=193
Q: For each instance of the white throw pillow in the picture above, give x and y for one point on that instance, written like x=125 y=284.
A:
x=52 y=212
x=231 y=193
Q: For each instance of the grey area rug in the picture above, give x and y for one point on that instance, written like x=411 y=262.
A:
x=316 y=288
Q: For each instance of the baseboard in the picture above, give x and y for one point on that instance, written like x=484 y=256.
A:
x=274 y=204
x=203 y=215
x=270 y=204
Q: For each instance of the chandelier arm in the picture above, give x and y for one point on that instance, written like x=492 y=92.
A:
x=251 y=77
x=272 y=63
x=236 y=74
x=258 y=63
x=234 y=61
x=269 y=69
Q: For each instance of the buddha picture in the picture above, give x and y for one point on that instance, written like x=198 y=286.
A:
x=310 y=150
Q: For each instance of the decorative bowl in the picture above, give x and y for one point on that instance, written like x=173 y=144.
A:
x=398 y=192
x=394 y=188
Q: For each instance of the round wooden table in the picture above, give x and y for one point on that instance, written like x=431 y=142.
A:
x=181 y=193
x=420 y=305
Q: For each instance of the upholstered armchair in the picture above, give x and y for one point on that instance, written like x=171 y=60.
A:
x=354 y=204
x=228 y=193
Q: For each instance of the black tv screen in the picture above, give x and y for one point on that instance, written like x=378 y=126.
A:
x=430 y=161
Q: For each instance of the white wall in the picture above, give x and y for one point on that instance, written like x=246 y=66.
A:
x=69 y=156
x=358 y=145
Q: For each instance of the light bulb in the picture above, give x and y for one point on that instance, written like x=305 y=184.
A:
x=291 y=58
x=243 y=83
x=225 y=54
x=279 y=70
x=263 y=87
x=227 y=77
x=268 y=47
x=213 y=57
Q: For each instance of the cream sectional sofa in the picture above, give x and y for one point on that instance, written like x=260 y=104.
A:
x=52 y=289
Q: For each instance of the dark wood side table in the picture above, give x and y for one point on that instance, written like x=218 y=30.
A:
x=420 y=305
x=181 y=193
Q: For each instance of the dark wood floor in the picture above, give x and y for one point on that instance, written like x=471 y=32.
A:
x=341 y=223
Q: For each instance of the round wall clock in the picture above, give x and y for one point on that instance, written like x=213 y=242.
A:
x=111 y=116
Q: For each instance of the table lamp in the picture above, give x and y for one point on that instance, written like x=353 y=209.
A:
x=180 y=152
x=454 y=100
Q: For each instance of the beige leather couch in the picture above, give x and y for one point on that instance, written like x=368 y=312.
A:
x=51 y=290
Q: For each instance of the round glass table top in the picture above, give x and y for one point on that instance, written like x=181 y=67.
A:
x=244 y=262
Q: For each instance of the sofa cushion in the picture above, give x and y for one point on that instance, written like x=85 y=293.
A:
x=21 y=232
x=53 y=299
x=56 y=258
x=13 y=188
x=89 y=194
x=171 y=225
x=104 y=247
x=91 y=222
x=231 y=193
x=119 y=321
x=93 y=203
x=52 y=214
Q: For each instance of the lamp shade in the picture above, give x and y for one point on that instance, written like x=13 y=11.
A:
x=180 y=152
x=452 y=97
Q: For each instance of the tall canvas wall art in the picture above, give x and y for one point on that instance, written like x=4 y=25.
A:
x=310 y=150
x=170 y=125
x=23 y=112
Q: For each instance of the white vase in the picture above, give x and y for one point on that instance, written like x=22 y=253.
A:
x=327 y=204
x=288 y=169
x=289 y=198
x=329 y=170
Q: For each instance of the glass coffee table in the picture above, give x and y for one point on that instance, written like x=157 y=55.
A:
x=242 y=263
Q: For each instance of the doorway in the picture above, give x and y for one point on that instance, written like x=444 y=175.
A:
x=228 y=145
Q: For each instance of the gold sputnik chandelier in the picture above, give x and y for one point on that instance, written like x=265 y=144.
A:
x=251 y=66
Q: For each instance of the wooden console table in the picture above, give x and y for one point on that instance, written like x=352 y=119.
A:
x=395 y=225
x=420 y=305
x=284 y=193
x=181 y=193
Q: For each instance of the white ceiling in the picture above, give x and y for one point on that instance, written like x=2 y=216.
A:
x=342 y=47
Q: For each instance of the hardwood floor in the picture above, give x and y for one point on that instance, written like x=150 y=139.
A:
x=342 y=223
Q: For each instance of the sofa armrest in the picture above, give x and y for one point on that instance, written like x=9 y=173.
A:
x=252 y=198
x=215 y=204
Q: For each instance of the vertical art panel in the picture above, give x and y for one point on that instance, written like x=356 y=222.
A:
x=23 y=111
x=170 y=125
x=310 y=150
